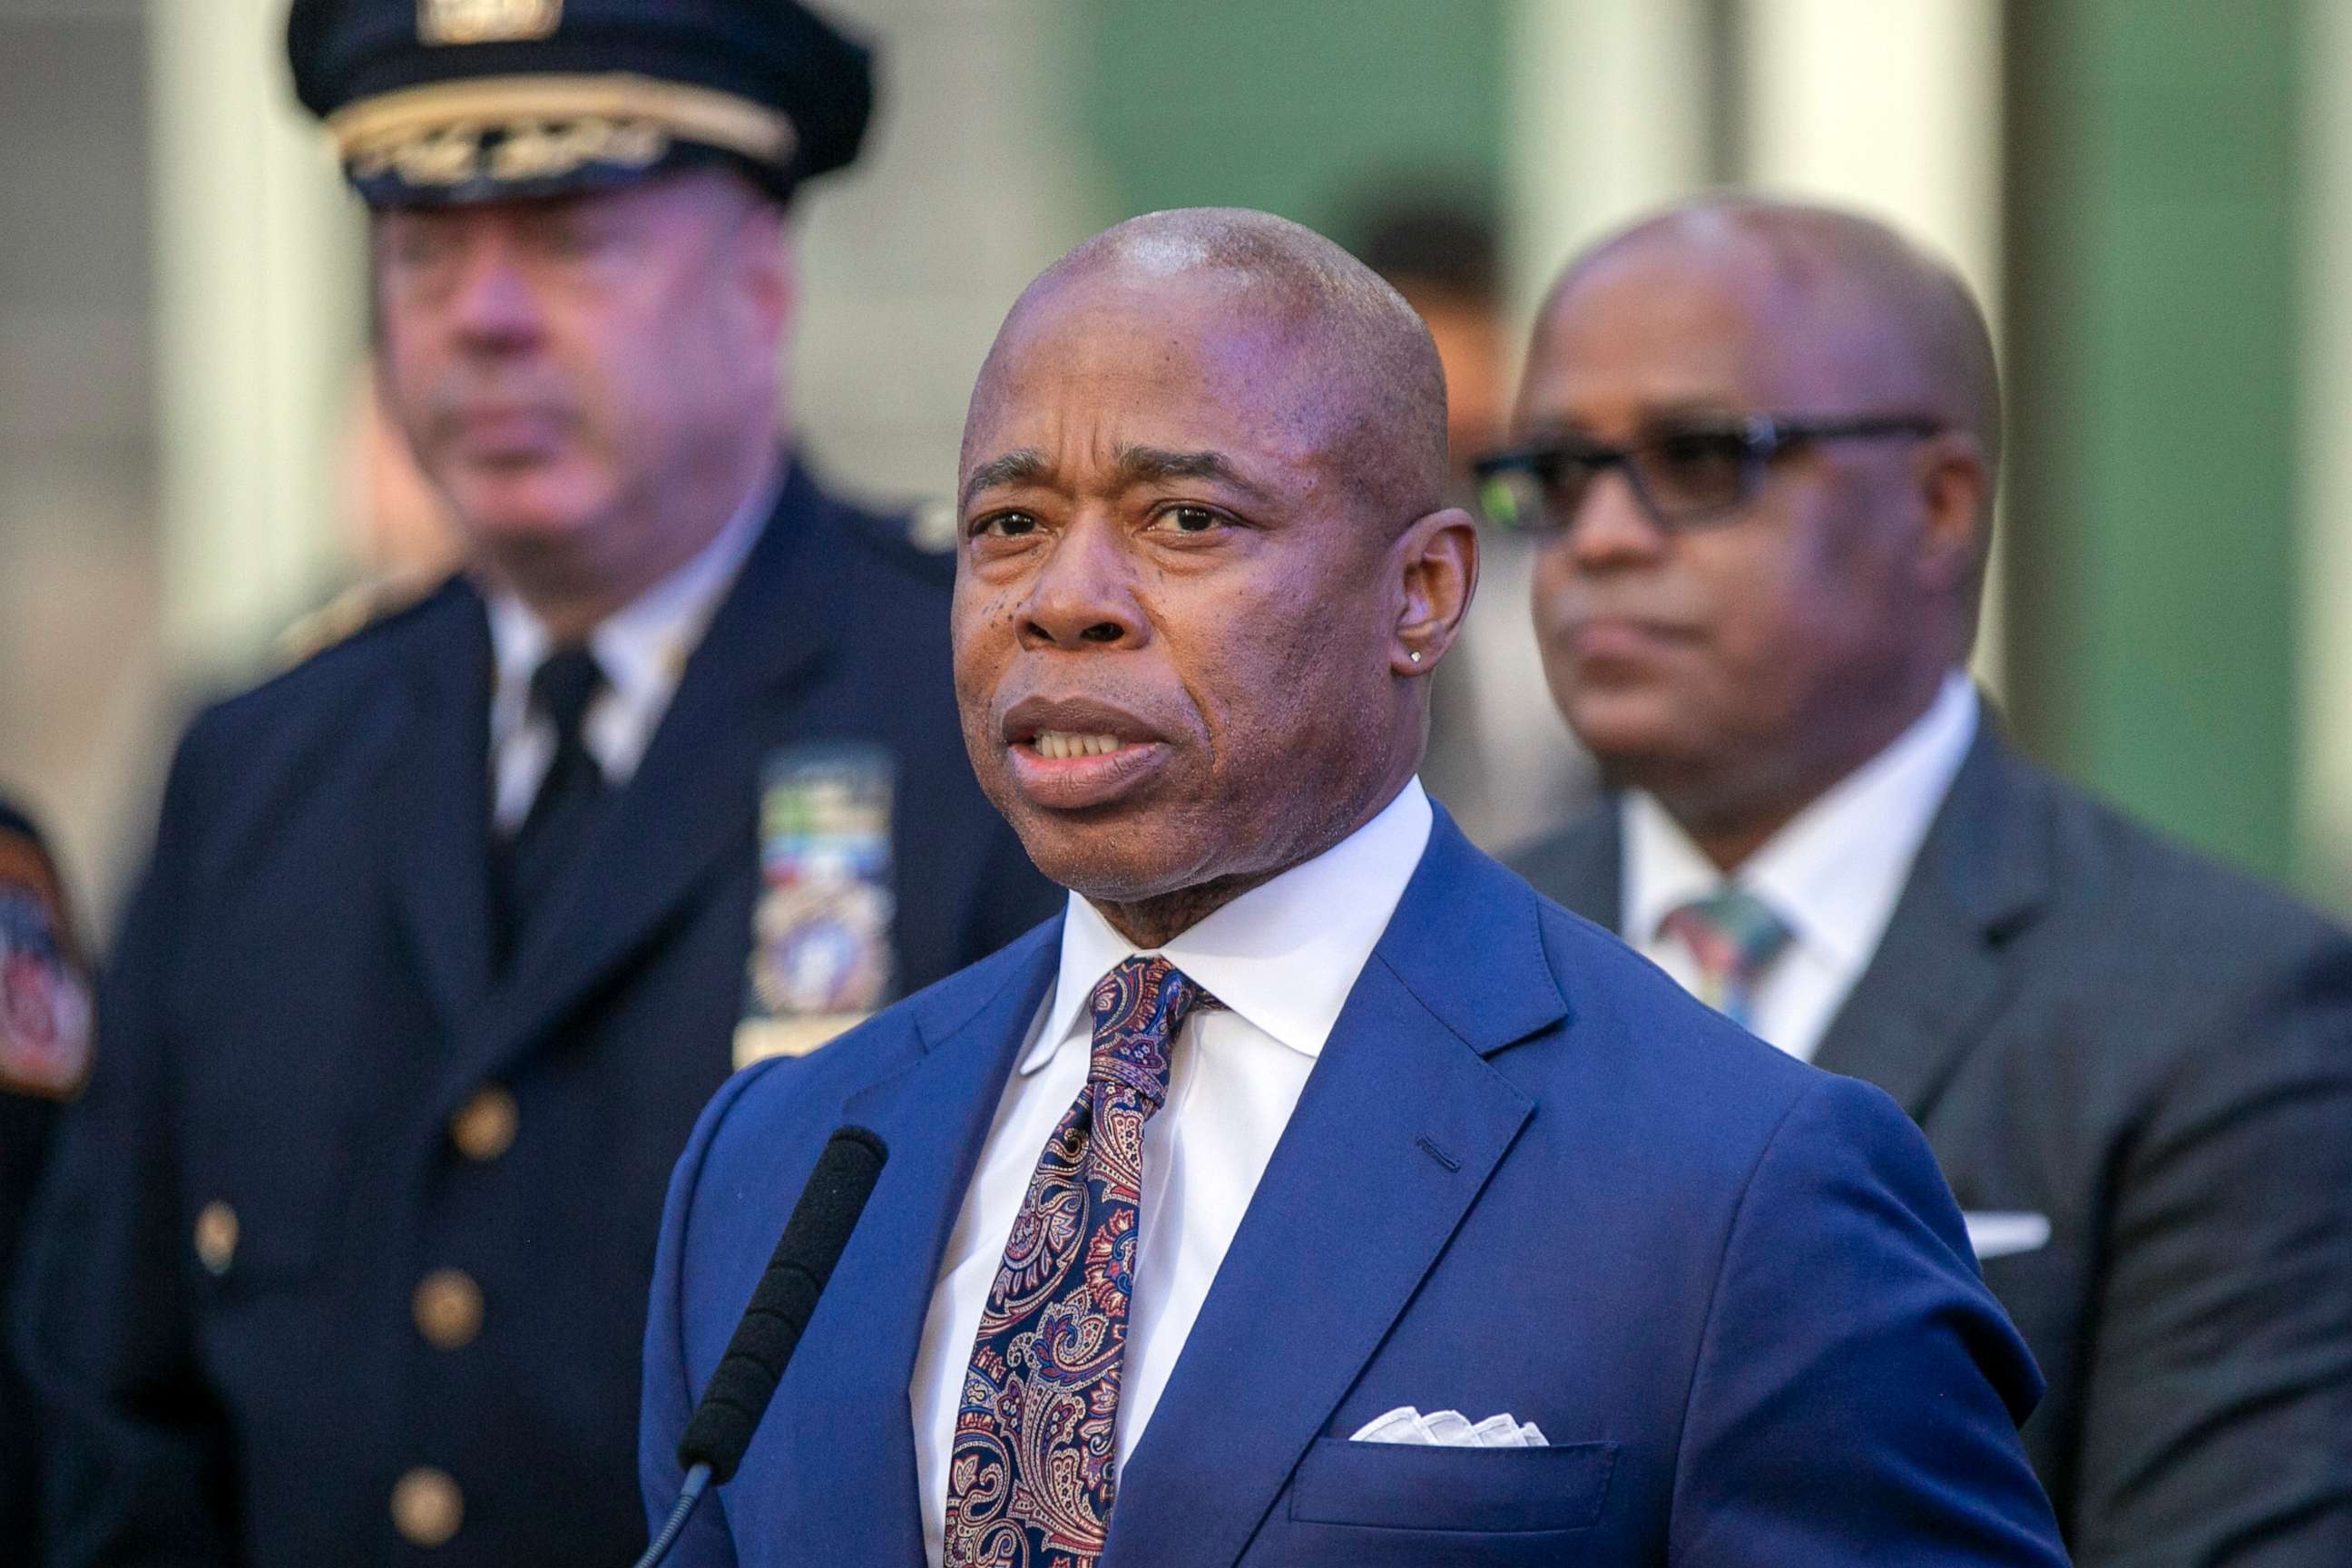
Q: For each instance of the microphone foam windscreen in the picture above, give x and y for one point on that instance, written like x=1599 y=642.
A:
x=784 y=1300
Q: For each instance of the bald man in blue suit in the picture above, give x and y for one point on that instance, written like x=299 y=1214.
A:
x=1312 y=1191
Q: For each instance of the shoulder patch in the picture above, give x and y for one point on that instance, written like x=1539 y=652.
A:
x=351 y=612
x=45 y=1012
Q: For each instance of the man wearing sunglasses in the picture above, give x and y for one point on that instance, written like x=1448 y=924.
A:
x=1761 y=442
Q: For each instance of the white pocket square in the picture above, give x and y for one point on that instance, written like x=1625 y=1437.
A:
x=1999 y=1233
x=1450 y=1429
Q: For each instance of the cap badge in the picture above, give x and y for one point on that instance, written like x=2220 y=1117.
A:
x=486 y=21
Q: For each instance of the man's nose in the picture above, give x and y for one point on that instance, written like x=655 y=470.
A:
x=1611 y=526
x=495 y=302
x=1084 y=593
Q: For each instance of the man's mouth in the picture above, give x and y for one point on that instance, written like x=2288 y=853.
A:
x=1069 y=755
x=507 y=433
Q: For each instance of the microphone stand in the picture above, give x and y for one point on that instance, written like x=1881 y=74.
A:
x=689 y=1495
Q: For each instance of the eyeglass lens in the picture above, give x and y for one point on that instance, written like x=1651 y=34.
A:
x=1675 y=475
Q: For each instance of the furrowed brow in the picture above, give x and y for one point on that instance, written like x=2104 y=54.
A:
x=1023 y=466
x=1155 y=465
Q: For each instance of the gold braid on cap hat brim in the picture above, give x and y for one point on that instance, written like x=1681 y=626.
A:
x=546 y=126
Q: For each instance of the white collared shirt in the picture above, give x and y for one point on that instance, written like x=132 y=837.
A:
x=1282 y=958
x=1832 y=874
x=642 y=648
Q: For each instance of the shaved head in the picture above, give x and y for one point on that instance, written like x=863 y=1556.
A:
x=1365 y=381
x=1207 y=563
x=1738 y=661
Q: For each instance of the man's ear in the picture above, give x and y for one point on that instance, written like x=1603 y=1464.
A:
x=1436 y=561
x=1955 y=489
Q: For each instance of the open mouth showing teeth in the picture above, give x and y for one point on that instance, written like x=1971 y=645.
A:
x=1061 y=745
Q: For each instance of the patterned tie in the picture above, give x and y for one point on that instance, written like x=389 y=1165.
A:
x=1734 y=936
x=1031 y=1477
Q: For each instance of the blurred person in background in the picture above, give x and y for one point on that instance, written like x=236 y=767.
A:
x=44 y=1058
x=451 y=929
x=1762 y=441
x=1498 y=756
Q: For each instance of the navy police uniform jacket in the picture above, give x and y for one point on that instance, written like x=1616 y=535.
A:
x=25 y=1129
x=346 y=1252
x=43 y=1055
x=25 y=1132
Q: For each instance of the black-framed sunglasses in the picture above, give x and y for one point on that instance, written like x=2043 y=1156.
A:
x=1680 y=474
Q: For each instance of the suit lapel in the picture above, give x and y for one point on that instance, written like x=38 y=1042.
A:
x=693 y=800
x=932 y=1107
x=1399 y=1127
x=437 y=802
x=1938 y=971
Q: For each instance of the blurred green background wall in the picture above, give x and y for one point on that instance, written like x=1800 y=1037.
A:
x=2153 y=159
x=1301 y=110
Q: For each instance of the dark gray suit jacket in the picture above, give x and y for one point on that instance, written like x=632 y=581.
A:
x=2094 y=1026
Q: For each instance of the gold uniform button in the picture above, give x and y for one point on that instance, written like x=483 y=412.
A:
x=448 y=1307
x=428 y=1508
x=217 y=1236
x=484 y=1127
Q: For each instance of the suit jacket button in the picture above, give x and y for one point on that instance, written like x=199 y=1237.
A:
x=217 y=1236
x=428 y=1508
x=484 y=1127
x=448 y=1309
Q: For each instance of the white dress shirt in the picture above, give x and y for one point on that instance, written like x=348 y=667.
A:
x=1282 y=958
x=1832 y=874
x=642 y=649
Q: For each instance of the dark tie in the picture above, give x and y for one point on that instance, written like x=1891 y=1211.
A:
x=1734 y=936
x=1033 y=1473
x=571 y=797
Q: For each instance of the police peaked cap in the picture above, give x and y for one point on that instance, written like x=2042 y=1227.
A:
x=438 y=101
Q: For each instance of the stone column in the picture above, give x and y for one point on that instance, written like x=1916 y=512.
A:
x=259 y=324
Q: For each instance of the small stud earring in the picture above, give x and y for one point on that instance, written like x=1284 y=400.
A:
x=1414 y=656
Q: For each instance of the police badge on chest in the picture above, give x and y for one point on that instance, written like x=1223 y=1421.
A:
x=822 y=958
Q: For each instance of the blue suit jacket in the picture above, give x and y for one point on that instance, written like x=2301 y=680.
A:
x=1527 y=1174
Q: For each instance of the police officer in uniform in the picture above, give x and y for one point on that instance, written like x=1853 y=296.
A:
x=44 y=1056
x=451 y=929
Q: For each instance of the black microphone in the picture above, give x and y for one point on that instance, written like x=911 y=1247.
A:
x=746 y=1378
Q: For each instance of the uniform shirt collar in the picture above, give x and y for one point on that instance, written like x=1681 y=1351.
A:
x=1283 y=956
x=1834 y=871
x=642 y=647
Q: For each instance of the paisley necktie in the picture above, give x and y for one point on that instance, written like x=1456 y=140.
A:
x=1032 y=1476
